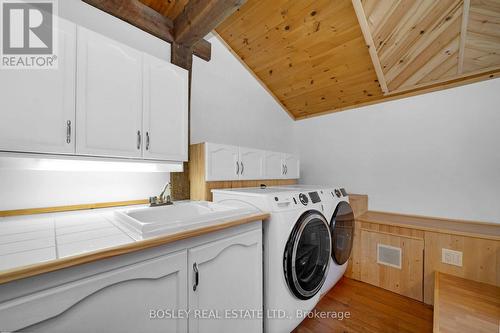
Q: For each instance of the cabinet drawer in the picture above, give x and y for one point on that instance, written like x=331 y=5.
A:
x=408 y=278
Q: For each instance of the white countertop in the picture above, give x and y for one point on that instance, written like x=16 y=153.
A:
x=27 y=240
x=40 y=243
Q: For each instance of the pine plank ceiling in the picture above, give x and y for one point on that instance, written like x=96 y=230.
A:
x=322 y=56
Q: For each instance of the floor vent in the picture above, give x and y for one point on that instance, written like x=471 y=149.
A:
x=389 y=255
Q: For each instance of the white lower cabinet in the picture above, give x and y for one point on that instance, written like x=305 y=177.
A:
x=226 y=278
x=116 y=301
x=147 y=291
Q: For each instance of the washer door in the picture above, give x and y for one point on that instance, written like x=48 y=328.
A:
x=342 y=226
x=307 y=255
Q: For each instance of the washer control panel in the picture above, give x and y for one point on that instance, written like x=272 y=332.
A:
x=339 y=193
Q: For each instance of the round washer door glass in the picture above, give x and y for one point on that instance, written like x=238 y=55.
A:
x=307 y=255
x=342 y=226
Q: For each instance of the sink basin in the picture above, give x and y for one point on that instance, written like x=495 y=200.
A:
x=154 y=221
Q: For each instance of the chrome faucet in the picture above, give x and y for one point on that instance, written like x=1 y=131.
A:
x=165 y=197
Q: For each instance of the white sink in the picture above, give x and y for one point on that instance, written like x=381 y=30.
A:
x=154 y=221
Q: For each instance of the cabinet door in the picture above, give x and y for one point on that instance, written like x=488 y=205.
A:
x=274 y=165
x=221 y=162
x=251 y=163
x=405 y=276
x=109 y=97
x=292 y=166
x=120 y=300
x=37 y=107
x=165 y=110
x=229 y=278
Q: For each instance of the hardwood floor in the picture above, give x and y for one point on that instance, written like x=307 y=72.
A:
x=372 y=310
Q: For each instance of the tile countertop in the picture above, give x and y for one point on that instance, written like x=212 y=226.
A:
x=31 y=241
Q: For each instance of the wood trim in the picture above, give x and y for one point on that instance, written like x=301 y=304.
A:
x=444 y=219
x=365 y=29
x=54 y=265
x=391 y=233
x=463 y=35
x=424 y=88
x=262 y=84
x=57 y=209
x=473 y=229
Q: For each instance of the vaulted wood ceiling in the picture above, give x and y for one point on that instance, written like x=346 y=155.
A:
x=321 y=56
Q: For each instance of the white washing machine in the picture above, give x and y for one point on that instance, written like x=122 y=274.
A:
x=339 y=213
x=297 y=251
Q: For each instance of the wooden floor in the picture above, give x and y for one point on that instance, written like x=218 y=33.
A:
x=371 y=310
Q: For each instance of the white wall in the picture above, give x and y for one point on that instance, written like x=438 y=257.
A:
x=229 y=106
x=29 y=189
x=436 y=154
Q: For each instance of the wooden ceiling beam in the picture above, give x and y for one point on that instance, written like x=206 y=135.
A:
x=199 y=17
x=149 y=20
x=365 y=29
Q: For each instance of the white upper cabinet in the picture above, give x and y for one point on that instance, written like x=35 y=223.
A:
x=291 y=165
x=165 y=118
x=251 y=163
x=221 y=162
x=274 y=167
x=109 y=97
x=225 y=162
x=37 y=107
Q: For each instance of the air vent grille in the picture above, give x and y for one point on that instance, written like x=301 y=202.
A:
x=389 y=255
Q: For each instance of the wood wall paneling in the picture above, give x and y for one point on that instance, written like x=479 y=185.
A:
x=479 y=242
x=408 y=280
x=481 y=260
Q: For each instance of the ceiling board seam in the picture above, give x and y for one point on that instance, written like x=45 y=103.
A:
x=262 y=84
x=358 y=8
x=463 y=36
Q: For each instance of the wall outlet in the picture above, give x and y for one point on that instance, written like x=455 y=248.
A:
x=451 y=257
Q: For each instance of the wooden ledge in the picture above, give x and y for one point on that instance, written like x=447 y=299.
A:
x=54 y=265
x=441 y=225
